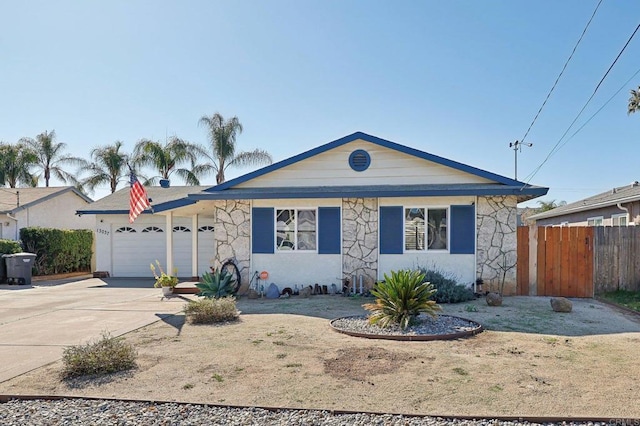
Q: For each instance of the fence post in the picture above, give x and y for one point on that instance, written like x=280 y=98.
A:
x=533 y=260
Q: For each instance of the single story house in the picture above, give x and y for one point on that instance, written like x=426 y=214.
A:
x=359 y=206
x=616 y=207
x=47 y=207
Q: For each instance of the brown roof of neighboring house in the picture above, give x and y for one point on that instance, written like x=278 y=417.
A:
x=15 y=199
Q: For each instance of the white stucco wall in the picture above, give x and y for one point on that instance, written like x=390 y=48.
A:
x=287 y=269
x=459 y=266
x=56 y=212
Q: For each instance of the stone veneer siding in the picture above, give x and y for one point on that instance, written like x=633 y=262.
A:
x=497 y=241
x=360 y=239
x=232 y=231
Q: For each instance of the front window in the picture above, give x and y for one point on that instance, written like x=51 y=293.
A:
x=296 y=229
x=421 y=234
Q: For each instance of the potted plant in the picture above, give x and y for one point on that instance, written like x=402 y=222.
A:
x=163 y=280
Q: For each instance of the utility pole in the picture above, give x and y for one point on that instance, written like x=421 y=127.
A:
x=517 y=146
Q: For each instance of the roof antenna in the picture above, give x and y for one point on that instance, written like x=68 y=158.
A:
x=517 y=146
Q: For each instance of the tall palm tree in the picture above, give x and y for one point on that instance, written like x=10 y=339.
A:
x=16 y=161
x=634 y=101
x=166 y=159
x=50 y=157
x=222 y=138
x=108 y=165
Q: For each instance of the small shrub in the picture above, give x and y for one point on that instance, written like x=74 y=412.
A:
x=216 y=284
x=400 y=298
x=449 y=291
x=210 y=311
x=10 y=247
x=471 y=308
x=104 y=356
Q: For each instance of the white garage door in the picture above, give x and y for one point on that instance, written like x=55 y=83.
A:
x=182 y=236
x=134 y=248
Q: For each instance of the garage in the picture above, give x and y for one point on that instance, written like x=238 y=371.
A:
x=135 y=247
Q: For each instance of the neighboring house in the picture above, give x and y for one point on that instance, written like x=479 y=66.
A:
x=358 y=206
x=47 y=207
x=616 y=207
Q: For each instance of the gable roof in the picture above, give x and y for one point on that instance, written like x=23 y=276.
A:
x=375 y=140
x=15 y=199
x=497 y=184
x=161 y=199
x=622 y=194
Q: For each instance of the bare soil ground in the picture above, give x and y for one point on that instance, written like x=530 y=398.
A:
x=531 y=361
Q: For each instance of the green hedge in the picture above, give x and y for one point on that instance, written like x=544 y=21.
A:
x=58 y=251
x=10 y=247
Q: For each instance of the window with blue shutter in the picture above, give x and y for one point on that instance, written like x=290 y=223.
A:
x=391 y=229
x=463 y=229
x=329 y=230
x=262 y=230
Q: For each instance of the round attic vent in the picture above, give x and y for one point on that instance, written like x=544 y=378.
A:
x=359 y=160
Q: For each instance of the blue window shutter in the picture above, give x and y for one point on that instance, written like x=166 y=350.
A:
x=391 y=230
x=262 y=230
x=463 y=230
x=329 y=230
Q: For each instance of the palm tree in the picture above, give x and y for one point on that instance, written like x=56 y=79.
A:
x=50 y=157
x=16 y=162
x=165 y=159
x=549 y=205
x=634 y=101
x=108 y=165
x=222 y=137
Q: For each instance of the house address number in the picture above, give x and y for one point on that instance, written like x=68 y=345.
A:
x=102 y=231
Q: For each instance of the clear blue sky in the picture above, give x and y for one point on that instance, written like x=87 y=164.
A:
x=459 y=79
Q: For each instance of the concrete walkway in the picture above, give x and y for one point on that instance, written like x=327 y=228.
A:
x=37 y=322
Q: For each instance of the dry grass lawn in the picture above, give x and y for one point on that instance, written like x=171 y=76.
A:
x=532 y=362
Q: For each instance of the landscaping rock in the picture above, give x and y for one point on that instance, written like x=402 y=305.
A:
x=305 y=292
x=494 y=299
x=272 y=291
x=561 y=304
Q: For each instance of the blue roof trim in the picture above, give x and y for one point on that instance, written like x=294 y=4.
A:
x=373 y=139
x=351 y=192
x=156 y=208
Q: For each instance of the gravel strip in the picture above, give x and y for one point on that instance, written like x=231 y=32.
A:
x=425 y=325
x=121 y=413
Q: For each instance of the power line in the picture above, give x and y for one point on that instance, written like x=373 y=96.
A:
x=557 y=146
x=561 y=72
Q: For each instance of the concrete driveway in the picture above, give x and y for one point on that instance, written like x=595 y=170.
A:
x=37 y=322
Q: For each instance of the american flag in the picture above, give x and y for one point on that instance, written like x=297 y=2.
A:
x=138 y=198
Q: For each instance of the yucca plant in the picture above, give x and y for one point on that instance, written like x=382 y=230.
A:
x=400 y=298
x=216 y=284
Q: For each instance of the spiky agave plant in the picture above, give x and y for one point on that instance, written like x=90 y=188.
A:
x=216 y=284
x=400 y=298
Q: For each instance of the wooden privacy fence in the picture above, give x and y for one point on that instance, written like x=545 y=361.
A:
x=562 y=261
x=577 y=261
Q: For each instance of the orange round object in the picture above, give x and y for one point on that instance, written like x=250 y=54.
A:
x=264 y=275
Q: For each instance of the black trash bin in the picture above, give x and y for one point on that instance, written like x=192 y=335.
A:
x=19 y=267
x=3 y=271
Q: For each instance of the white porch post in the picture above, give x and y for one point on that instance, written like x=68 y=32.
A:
x=194 y=246
x=169 y=233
